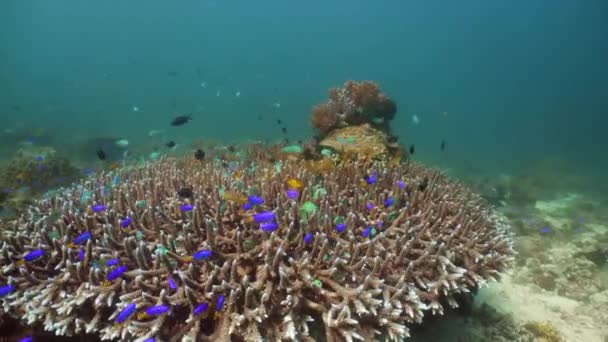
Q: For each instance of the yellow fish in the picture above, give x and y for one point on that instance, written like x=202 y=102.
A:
x=293 y=183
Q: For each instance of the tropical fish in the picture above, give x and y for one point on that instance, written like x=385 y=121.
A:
x=181 y=120
x=264 y=216
x=170 y=144
x=203 y=254
x=366 y=232
x=116 y=273
x=292 y=194
x=255 y=200
x=186 y=207
x=412 y=149
x=33 y=255
x=269 y=226
x=401 y=184
x=124 y=223
x=101 y=154
x=199 y=154
x=389 y=202
x=125 y=313
x=293 y=183
x=6 y=289
x=171 y=284
x=81 y=239
x=112 y=262
x=199 y=309
x=371 y=178
x=98 y=208
x=156 y=310
x=340 y=227
x=308 y=237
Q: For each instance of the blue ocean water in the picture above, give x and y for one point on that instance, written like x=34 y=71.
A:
x=520 y=81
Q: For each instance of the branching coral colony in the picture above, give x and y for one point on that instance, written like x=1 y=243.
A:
x=261 y=250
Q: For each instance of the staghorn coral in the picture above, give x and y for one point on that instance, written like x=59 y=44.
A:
x=356 y=103
x=391 y=264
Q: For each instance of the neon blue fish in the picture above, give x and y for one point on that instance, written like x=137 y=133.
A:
x=202 y=255
x=33 y=255
x=116 y=273
x=186 y=207
x=219 y=303
x=199 y=309
x=255 y=200
x=366 y=232
x=112 y=262
x=6 y=289
x=82 y=238
x=269 y=226
x=308 y=238
x=265 y=216
x=340 y=227
x=124 y=223
x=125 y=313
x=157 y=310
x=98 y=208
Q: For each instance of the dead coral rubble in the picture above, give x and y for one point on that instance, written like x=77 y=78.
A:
x=406 y=247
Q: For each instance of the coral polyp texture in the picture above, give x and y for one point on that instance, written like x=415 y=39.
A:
x=254 y=251
x=355 y=103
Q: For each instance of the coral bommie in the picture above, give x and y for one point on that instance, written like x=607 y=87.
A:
x=347 y=258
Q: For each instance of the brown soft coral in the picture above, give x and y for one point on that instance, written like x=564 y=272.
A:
x=355 y=103
x=324 y=117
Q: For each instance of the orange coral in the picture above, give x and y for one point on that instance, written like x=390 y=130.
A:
x=323 y=117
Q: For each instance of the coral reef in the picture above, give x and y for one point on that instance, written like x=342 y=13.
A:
x=361 y=250
x=360 y=140
x=543 y=331
x=32 y=170
x=355 y=103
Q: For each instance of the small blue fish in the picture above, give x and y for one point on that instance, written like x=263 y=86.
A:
x=157 y=310
x=389 y=202
x=269 y=226
x=219 y=303
x=292 y=194
x=340 y=227
x=202 y=255
x=151 y=339
x=255 y=200
x=265 y=216
x=125 y=313
x=124 y=223
x=247 y=206
x=545 y=230
x=308 y=238
x=82 y=238
x=112 y=262
x=81 y=254
x=366 y=232
x=401 y=184
x=369 y=206
x=98 y=208
x=6 y=289
x=26 y=339
x=116 y=273
x=33 y=255
x=371 y=178
x=171 y=284
x=186 y=207
x=39 y=158
x=199 y=309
